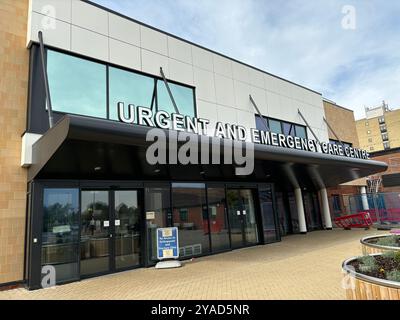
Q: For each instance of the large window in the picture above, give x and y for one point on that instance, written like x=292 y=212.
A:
x=60 y=234
x=183 y=97
x=79 y=86
x=193 y=230
x=129 y=88
x=279 y=126
x=271 y=234
x=219 y=227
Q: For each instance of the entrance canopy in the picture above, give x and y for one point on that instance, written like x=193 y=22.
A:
x=84 y=148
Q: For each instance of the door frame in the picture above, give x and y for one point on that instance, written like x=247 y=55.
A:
x=112 y=243
x=257 y=214
x=34 y=258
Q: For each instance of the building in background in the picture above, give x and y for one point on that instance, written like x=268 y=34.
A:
x=380 y=129
x=388 y=181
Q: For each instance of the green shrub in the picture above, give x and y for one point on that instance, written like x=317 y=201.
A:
x=367 y=264
x=393 y=275
x=397 y=257
x=389 y=254
x=391 y=241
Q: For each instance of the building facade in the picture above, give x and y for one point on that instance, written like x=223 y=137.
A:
x=82 y=196
x=380 y=129
x=388 y=181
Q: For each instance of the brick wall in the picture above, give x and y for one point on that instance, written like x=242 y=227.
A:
x=14 y=65
x=342 y=122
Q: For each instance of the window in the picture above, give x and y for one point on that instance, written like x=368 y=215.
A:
x=367 y=124
x=76 y=85
x=301 y=132
x=385 y=136
x=386 y=145
x=158 y=215
x=130 y=88
x=183 y=98
x=219 y=227
x=261 y=123
x=371 y=148
x=60 y=233
x=268 y=215
x=275 y=126
x=381 y=120
x=288 y=129
x=369 y=132
x=370 y=140
x=193 y=238
x=383 y=128
x=79 y=86
x=345 y=144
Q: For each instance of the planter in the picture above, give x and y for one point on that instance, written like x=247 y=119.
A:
x=371 y=248
x=362 y=287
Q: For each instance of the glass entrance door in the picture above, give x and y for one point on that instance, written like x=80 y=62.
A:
x=110 y=231
x=95 y=232
x=127 y=229
x=243 y=224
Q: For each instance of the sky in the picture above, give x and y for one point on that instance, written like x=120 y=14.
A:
x=347 y=50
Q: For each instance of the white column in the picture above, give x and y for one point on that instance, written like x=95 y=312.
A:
x=364 y=198
x=300 y=210
x=326 y=212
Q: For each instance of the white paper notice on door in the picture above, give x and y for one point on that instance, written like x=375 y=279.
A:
x=106 y=224
x=117 y=223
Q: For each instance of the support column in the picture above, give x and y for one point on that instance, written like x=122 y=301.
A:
x=300 y=210
x=364 y=198
x=326 y=212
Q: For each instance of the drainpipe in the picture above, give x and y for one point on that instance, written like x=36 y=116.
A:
x=300 y=210
x=326 y=213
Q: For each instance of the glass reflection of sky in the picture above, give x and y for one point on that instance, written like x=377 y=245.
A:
x=130 y=88
x=77 y=86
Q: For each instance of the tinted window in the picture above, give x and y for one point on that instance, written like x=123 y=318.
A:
x=158 y=215
x=191 y=199
x=219 y=227
x=130 y=88
x=288 y=129
x=77 y=86
x=301 y=132
x=60 y=234
x=183 y=97
x=261 y=123
x=275 y=126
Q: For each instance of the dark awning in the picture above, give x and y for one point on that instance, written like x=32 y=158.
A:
x=87 y=148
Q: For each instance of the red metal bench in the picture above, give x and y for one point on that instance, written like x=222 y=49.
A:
x=359 y=220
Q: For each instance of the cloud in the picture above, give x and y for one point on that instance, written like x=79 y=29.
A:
x=302 y=41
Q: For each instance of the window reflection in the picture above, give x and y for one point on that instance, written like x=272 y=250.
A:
x=189 y=202
x=158 y=209
x=95 y=225
x=60 y=234
x=77 y=86
x=183 y=97
x=127 y=229
x=301 y=132
x=219 y=226
x=129 y=88
x=268 y=215
x=275 y=126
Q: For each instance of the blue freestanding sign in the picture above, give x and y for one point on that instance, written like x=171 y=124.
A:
x=167 y=243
